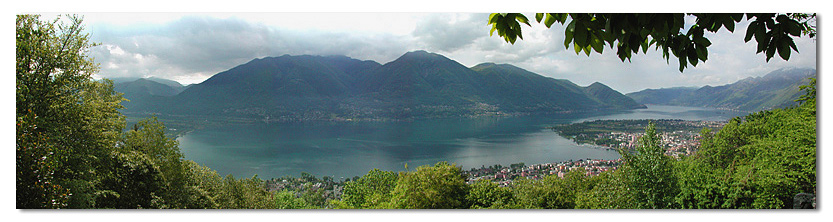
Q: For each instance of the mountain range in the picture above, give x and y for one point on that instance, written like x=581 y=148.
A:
x=777 y=89
x=418 y=84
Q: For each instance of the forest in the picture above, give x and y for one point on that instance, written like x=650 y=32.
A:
x=75 y=150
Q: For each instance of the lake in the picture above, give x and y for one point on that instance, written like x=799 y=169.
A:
x=347 y=149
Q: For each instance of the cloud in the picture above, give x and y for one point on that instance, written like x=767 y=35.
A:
x=191 y=48
x=450 y=32
x=195 y=47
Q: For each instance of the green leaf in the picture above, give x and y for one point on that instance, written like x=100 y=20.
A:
x=729 y=24
x=750 y=31
x=568 y=34
x=587 y=50
x=580 y=35
x=792 y=44
x=703 y=41
x=493 y=18
x=692 y=56
x=597 y=44
x=550 y=20
x=538 y=17
x=784 y=50
x=760 y=33
x=794 y=28
x=770 y=51
x=762 y=45
x=702 y=53
x=521 y=18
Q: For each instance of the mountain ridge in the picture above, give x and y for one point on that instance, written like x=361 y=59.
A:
x=776 y=89
x=418 y=84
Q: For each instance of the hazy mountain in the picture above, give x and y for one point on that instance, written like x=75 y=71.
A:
x=660 y=96
x=516 y=89
x=417 y=84
x=611 y=97
x=776 y=89
x=176 y=86
x=146 y=93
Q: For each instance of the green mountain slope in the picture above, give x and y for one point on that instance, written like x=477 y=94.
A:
x=660 y=96
x=419 y=84
x=777 y=89
x=516 y=89
x=611 y=97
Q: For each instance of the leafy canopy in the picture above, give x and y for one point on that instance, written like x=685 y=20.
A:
x=630 y=32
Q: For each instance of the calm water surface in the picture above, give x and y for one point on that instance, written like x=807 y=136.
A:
x=347 y=149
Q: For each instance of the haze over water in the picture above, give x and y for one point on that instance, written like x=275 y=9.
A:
x=347 y=149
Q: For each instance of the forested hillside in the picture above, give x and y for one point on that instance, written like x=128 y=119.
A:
x=418 y=84
x=777 y=89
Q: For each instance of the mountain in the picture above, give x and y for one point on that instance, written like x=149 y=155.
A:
x=146 y=87
x=611 y=97
x=660 y=96
x=418 y=84
x=777 y=89
x=142 y=93
x=422 y=78
x=275 y=86
x=516 y=89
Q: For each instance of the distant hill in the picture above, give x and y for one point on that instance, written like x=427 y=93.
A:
x=610 y=97
x=144 y=93
x=661 y=96
x=776 y=89
x=418 y=84
x=517 y=89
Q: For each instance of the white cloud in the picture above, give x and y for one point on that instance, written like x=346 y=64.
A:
x=192 y=47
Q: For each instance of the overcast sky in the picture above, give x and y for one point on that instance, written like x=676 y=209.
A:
x=191 y=47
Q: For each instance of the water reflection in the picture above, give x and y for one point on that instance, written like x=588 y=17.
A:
x=350 y=149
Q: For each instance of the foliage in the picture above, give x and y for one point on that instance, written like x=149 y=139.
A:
x=288 y=200
x=442 y=186
x=552 y=192
x=485 y=194
x=611 y=192
x=246 y=193
x=369 y=191
x=646 y=180
x=66 y=122
x=72 y=152
x=649 y=173
x=760 y=161
x=630 y=32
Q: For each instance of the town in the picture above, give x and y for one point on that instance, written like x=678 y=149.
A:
x=680 y=138
x=505 y=175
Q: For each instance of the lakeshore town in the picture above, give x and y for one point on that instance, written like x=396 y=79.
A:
x=682 y=138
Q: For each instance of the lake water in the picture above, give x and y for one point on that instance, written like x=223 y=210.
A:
x=347 y=149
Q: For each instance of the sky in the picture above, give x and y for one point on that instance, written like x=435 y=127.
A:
x=179 y=41
x=191 y=47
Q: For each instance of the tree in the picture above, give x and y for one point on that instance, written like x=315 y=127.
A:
x=441 y=186
x=148 y=138
x=552 y=192
x=372 y=190
x=634 y=31
x=486 y=194
x=758 y=161
x=610 y=192
x=67 y=123
x=649 y=173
